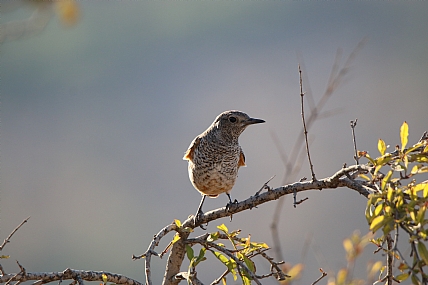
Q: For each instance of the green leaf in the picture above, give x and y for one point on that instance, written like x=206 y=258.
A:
x=404 y=134
x=415 y=280
x=423 y=253
x=377 y=223
x=202 y=253
x=4 y=256
x=189 y=252
x=250 y=264
x=381 y=146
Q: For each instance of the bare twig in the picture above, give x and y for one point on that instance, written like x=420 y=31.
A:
x=353 y=125
x=218 y=280
x=389 y=260
x=323 y=274
x=265 y=186
x=305 y=131
x=278 y=273
x=7 y=240
x=150 y=251
x=293 y=162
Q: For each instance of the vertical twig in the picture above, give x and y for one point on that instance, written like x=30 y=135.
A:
x=305 y=131
x=293 y=162
x=389 y=260
x=353 y=125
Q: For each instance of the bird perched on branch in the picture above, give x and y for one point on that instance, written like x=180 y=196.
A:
x=215 y=155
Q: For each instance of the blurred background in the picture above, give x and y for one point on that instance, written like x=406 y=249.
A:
x=99 y=101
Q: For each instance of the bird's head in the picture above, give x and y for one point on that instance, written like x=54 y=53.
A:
x=230 y=124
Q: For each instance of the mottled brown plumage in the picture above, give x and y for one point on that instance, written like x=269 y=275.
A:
x=215 y=155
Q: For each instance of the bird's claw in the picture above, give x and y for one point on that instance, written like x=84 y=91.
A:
x=230 y=204
x=197 y=219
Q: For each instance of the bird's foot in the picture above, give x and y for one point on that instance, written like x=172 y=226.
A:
x=197 y=219
x=230 y=204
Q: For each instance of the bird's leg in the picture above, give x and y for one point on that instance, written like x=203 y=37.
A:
x=228 y=205
x=199 y=213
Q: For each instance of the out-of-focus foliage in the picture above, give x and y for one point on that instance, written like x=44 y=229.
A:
x=42 y=11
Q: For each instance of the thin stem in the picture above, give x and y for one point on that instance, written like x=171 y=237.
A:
x=305 y=131
x=353 y=125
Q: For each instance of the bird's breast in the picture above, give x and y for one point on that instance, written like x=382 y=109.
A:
x=213 y=169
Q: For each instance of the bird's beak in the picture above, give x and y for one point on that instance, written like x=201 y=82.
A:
x=252 y=121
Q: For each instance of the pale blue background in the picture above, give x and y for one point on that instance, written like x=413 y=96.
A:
x=95 y=120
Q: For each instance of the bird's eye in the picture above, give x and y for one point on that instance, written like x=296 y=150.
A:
x=232 y=119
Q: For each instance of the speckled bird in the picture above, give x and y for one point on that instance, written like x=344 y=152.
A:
x=215 y=155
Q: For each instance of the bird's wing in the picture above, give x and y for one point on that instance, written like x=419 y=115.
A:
x=241 y=161
x=188 y=155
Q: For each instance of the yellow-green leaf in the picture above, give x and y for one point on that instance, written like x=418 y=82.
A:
x=341 y=276
x=381 y=146
x=246 y=280
x=385 y=180
x=404 y=134
x=402 y=277
x=377 y=223
x=423 y=169
x=295 y=272
x=221 y=257
x=413 y=216
x=423 y=253
x=105 y=278
x=375 y=268
x=363 y=176
x=4 y=256
x=378 y=210
x=421 y=214
x=175 y=239
x=223 y=228
x=178 y=223
x=348 y=246
x=390 y=194
x=383 y=160
x=224 y=280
